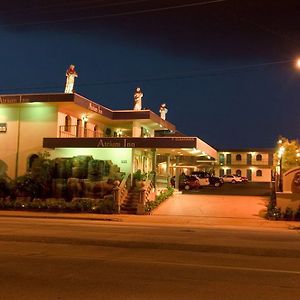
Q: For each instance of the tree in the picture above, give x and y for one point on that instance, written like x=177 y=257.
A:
x=289 y=152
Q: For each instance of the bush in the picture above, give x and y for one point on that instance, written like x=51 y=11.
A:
x=54 y=204
x=273 y=212
x=83 y=204
x=150 y=205
x=5 y=188
x=288 y=214
x=297 y=214
x=105 y=206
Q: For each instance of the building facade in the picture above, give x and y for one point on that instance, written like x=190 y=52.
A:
x=68 y=125
x=255 y=164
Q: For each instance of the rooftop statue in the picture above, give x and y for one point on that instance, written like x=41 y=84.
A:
x=138 y=99
x=163 y=111
x=70 y=74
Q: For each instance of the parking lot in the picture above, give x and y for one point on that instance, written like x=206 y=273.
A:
x=243 y=189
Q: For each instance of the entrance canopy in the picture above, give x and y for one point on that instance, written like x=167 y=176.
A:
x=187 y=146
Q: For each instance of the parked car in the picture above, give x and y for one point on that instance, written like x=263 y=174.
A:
x=213 y=180
x=194 y=182
x=244 y=179
x=232 y=178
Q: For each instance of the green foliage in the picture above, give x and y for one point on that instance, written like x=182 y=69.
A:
x=5 y=187
x=288 y=214
x=290 y=157
x=26 y=186
x=83 y=204
x=273 y=212
x=138 y=175
x=297 y=214
x=94 y=172
x=101 y=206
x=105 y=206
x=150 y=205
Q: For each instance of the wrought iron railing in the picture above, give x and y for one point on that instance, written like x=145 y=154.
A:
x=71 y=131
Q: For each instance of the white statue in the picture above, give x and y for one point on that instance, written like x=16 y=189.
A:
x=70 y=74
x=138 y=99
x=163 y=111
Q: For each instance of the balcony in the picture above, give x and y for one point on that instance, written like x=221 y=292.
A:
x=72 y=131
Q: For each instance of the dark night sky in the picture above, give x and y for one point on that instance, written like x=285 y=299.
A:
x=225 y=69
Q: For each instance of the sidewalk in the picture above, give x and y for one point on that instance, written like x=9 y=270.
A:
x=159 y=220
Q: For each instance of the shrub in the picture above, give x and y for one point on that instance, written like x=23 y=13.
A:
x=150 y=205
x=54 y=204
x=83 y=204
x=273 y=212
x=105 y=206
x=297 y=214
x=5 y=187
x=288 y=214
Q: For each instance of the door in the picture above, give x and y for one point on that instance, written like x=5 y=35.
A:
x=249 y=174
x=204 y=181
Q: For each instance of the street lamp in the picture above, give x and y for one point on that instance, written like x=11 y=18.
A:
x=280 y=154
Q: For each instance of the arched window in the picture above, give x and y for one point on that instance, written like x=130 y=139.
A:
x=238 y=172
x=258 y=157
x=68 y=123
x=238 y=157
x=259 y=173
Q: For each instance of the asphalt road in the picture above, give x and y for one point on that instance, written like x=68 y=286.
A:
x=79 y=259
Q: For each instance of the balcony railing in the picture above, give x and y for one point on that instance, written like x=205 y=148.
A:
x=71 y=131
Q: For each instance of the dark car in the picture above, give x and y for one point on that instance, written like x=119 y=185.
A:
x=213 y=180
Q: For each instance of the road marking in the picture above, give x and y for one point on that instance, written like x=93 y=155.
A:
x=215 y=267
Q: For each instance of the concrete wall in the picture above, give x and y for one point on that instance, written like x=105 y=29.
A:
x=25 y=137
x=286 y=199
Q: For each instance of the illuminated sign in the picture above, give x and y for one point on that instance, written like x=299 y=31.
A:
x=13 y=100
x=123 y=143
x=95 y=107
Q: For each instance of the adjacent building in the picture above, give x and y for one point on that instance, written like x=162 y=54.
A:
x=255 y=164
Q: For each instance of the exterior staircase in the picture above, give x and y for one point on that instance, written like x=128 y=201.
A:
x=129 y=205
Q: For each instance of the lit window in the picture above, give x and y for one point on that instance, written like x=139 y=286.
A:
x=3 y=127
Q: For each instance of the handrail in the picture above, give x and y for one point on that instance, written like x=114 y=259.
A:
x=123 y=190
x=66 y=131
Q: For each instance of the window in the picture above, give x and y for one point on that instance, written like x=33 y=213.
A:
x=238 y=157
x=238 y=172
x=259 y=173
x=68 y=123
x=258 y=157
x=3 y=127
x=222 y=159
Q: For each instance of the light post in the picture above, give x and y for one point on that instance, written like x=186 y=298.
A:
x=280 y=155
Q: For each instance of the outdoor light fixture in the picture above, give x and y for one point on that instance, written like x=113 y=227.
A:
x=280 y=154
x=85 y=118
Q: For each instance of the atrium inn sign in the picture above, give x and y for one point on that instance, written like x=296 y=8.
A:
x=68 y=124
